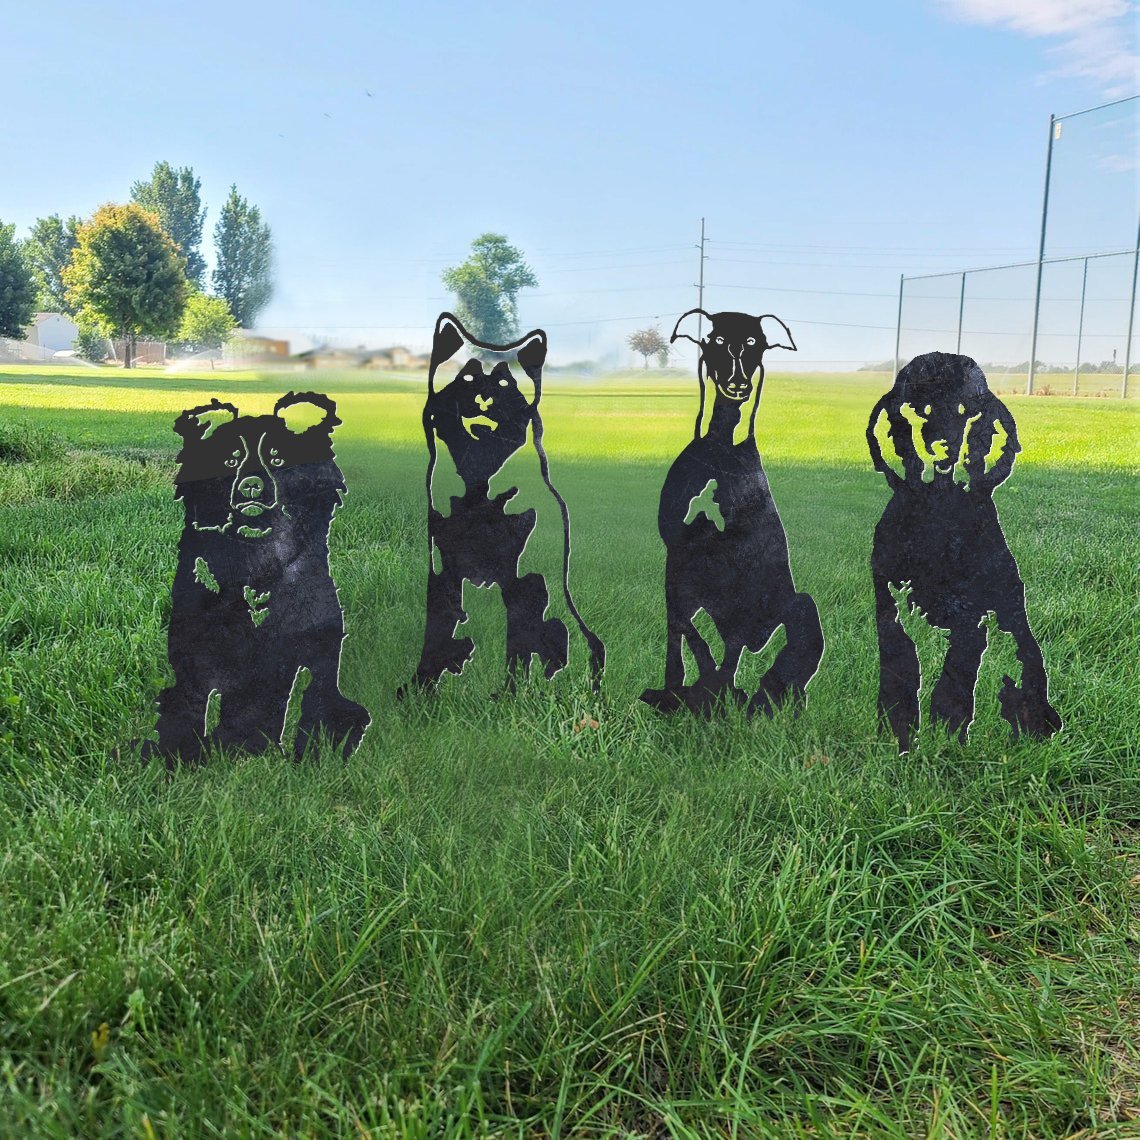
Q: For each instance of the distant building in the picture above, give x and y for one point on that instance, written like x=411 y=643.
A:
x=52 y=332
x=248 y=343
x=325 y=356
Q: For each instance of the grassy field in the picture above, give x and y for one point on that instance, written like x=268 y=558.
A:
x=492 y=921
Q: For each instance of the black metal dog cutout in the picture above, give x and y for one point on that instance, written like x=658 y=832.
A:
x=482 y=417
x=942 y=539
x=726 y=552
x=253 y=602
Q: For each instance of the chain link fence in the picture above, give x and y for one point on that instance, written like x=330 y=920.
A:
x=1064 y=322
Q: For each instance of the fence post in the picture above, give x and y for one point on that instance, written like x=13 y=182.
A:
x=1081 y=327
x=1040 y=262
x=1131 y=316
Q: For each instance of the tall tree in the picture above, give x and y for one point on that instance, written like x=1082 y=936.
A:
x=649 y=342
x=48 y=252
x=17 y=286
x=486 y=288
x=126 y=276
x=244 y=247
x=174 y=195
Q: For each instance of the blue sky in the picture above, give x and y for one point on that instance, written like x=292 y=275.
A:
x=830 y=146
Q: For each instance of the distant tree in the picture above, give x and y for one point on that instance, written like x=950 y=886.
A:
x=90 y=341
x=648 y=342
x=486 y=288
x=17 y=286
x=48 y=251
x=206 y=324
x=244 y=247
x=126 y=276
x=663 y=356
x=174 y=195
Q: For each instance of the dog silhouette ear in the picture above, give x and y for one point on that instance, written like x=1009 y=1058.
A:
x=304 y=412
x=448 y=339
x=776 y=333
x=531 y=351
x=198 y=424
x=684 y=319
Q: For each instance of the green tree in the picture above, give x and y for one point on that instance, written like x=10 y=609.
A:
x=90 y=341
x=244 y=247
x=17 y=286
x=486 y=288
x=126 y=276
x=649 y=342
x=174 y=195
x=206 y=324
x=48 y=252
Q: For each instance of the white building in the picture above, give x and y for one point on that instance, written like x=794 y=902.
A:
x=52 y=332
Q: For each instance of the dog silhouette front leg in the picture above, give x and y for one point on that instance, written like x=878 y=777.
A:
x=952 y=701
x=181 y=724
x=1026 y=706
x=898 y=669
x=529 y=631
x=796 y=663
x=442 y=651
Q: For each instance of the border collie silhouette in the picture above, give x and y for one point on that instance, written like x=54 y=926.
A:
x=482 y=418
x=726 y=552
x=253 y=602
x=940 y=536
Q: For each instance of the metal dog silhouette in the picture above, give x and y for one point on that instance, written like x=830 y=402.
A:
x=253 y=602
x=942 y=538
x=726 y=552
x=482 y=418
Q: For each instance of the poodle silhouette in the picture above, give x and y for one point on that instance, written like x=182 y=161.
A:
x=726 y=552
x=253 y=602
x=941 y=537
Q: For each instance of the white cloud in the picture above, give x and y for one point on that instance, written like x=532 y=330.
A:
x=1097 y=37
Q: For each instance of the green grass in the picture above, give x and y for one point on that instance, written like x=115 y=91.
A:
x=488 y=922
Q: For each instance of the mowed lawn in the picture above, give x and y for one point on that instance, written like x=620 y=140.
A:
x=497 y=919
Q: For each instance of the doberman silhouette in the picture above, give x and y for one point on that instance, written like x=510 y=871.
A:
x=731 y=559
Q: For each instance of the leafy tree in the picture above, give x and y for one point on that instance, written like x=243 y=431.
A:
x=206 y=324
x=244 y=247
x=174 y=196
x=126 y=276
x=48 y=252
x=649 y=342
x=486 y=288
x=17 y=286
x=90 y=340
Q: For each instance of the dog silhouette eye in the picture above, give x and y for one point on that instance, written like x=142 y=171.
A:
x=751 y=340
x=502 y=383
x=961 y=409
x=927 y=410
x=719 y=340
x=276 y=461
x=233 y=462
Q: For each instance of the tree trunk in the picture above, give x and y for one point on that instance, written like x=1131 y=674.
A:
x=128 y=350
x=646 y=359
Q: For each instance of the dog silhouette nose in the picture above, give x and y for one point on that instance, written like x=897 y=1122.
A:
x=484 y=402
x=251 y=487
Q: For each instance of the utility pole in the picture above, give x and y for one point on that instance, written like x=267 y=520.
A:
x=701 y=279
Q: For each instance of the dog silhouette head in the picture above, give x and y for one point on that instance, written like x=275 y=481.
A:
x=942 y=418
x=483 y=413
x=246 y=476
